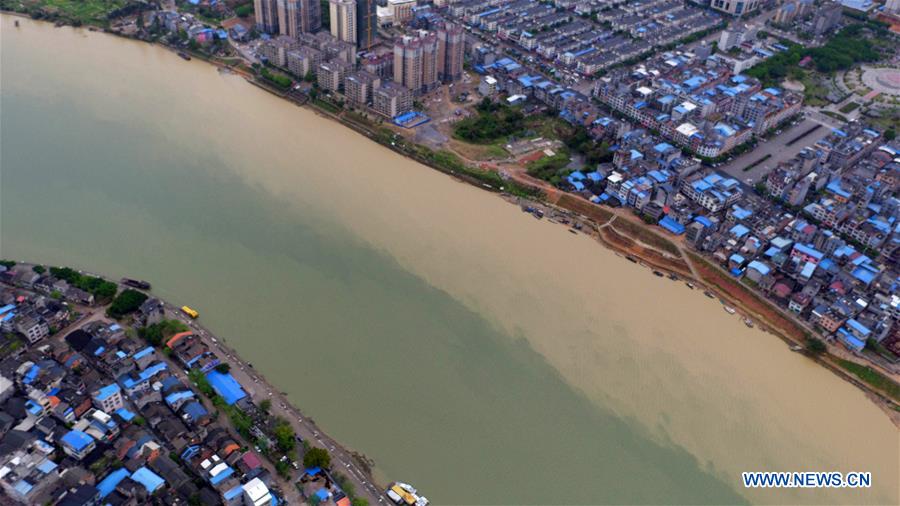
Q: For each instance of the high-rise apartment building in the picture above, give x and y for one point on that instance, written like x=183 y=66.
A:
x=298 y=16
x=266 y=13
x=342 y=14
x=288 y=17
x=311 y=17
x=451 y=44
x=366 y=23
x=401 y=10
x=415 y=63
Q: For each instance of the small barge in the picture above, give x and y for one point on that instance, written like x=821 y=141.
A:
x=136 y=283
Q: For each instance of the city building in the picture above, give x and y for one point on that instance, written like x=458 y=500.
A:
x=32 y=327
x=342 y=16
x=77 y=444
x=266 y=14
x=109 y=398
x=735 y=7
x=401 y=10
x=415 y=62
x=310 y=16
x=359 y=87
x=391 y=100
x=330 y=75
x=366 y=23
x=303 y=60
x=28 y=472
x=298 y=16
x=451 y=45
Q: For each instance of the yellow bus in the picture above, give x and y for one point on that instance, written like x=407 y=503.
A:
x=190 y=312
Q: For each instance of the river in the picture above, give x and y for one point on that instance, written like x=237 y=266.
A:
x=471 y=350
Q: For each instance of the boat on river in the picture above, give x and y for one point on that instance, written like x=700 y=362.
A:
x=190 y=312
x=405 y=494
x=728 y=309
x=136 y=283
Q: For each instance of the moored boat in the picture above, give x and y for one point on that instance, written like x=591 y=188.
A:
x=728 y=309
x=184 y=55
x=709 y=294
x=136 y=283
x=405 y=494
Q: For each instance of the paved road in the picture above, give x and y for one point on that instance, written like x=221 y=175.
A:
x=778 y=148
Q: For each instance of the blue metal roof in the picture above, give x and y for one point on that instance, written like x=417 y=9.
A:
x=226 y=386
x=77 y=440
x=143 y=353
x=225 y=473
x=150 y=480
x=108 y=484
x=106 y=392
x=671 y=225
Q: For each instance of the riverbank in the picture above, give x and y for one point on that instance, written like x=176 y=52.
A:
x=345 y=463
x=429 y=314
x=629 y=236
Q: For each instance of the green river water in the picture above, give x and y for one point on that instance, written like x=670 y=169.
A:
x=470 y=350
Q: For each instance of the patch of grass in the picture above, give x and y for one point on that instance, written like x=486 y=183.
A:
x=872 y=377
x=814 y=92
x=280 y=80
x=835 y=115
x=326 y=106
x=92 y=12
x=849 y=107
x=646 y=236
x=550 y=168
x=491 y=123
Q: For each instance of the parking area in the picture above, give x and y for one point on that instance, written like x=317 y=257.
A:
x=777 y=149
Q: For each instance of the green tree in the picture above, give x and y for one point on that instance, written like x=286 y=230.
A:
x=265 y=405
x=317 y=457
x=815 y=345
x=158 y=333
x=126 y=302
x=223 y=368
x=39 y=269
x=890 y=134
x=284 y=435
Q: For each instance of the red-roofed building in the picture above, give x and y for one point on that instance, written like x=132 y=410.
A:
x=249 y=461
x=177 y=337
